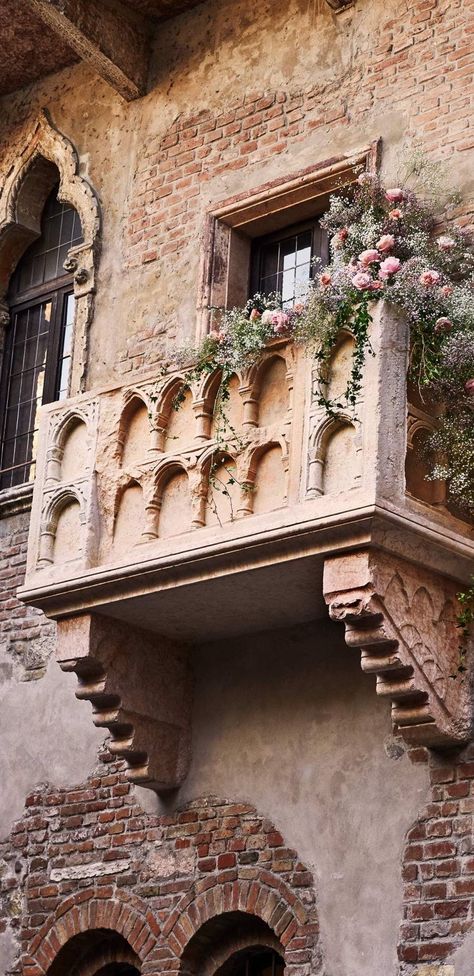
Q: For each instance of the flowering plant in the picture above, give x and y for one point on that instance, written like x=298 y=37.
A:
x=384 y=245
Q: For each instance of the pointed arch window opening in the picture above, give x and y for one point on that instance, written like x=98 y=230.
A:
x=38 y=346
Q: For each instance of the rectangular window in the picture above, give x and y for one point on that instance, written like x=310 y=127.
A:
x=268 y=241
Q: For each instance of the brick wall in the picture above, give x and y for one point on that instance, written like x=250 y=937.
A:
x=79 y=856
x=420 y=65
x=438 y=865
x=26 y=636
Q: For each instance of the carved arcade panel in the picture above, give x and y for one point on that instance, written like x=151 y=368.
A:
x=150 y=463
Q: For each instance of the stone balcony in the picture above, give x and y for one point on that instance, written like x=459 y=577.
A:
x=130 y=522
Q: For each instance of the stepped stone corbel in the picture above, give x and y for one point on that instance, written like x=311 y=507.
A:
x=140 y=688
x=402 y=618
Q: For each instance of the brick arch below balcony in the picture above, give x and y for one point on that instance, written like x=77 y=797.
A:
x=124 y=922
x=233 y=912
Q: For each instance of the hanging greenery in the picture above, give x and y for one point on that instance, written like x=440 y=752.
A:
x=385 y=245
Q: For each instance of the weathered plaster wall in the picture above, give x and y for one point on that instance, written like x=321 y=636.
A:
x=288 y=722
x=241 y=94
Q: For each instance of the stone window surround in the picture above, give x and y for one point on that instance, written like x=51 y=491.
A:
x=231 y=227
x=30 y=172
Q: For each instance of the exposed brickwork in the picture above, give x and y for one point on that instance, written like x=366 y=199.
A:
x=89 y=856
x=420 y=65
x=438 y=866
x=26 y=636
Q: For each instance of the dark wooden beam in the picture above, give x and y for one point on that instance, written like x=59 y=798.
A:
x=110 y=37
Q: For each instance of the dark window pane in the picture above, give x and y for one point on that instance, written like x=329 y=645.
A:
x=43 y=261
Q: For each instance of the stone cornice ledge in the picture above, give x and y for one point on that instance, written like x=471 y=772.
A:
x=386 y=528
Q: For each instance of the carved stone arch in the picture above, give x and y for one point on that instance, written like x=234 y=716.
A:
x=164 y=407
x=432 y=492
x=95 y=915
x=133 y=399
x=251 y=389
x=129 y=510
x=57 y=442
x=324 y=378
x=205 y=492
x=318 y=446
x=57 y=502
x=253 y=460
x=31 y=174
x=164 y=472
x=414 y=427
x=204 y=400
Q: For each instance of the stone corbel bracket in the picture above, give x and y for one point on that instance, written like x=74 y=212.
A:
x=403 y=620
x=140 y=688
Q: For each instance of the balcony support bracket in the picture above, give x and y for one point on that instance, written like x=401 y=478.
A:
x=140 y=689
x=402 y=619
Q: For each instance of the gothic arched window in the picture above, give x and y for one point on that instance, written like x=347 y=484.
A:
x=37 y=351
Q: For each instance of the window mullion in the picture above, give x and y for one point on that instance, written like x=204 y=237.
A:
x=51 y=366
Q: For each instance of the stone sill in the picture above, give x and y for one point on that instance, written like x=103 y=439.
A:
x=16 y=501
x=228 y=561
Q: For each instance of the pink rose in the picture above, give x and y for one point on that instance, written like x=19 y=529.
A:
x=395 y=194
x=254 y=315
x=389 y=267
x=386 y=243
x=298 y=308
x=469 y=387
x=368 y=257
x=361 y=280
x=445 y=243
x=340 y=237
x=443 y=324
x=446 y=291
x=429 y=278
x=376 y=285
x=325 y=279
x=280 y=321
x=395 y=214
x=267 y=317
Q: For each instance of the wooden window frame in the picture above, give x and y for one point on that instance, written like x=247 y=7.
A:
x=225 y=271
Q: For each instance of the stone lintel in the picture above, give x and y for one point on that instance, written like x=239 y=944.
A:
x=140 y=689
x=114 y=42
x=402 y=619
